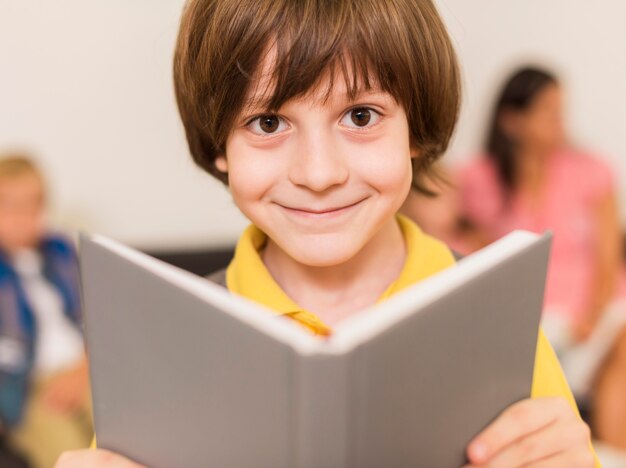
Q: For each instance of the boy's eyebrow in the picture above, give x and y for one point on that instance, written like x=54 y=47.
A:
x=256 y=102
x=367 y=93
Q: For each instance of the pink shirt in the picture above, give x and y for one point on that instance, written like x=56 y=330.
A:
x=574 y=184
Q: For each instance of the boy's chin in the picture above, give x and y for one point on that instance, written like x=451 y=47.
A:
x=321 y=254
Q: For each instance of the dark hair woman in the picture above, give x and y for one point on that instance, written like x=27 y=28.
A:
x=530 y=178
x=533 y=93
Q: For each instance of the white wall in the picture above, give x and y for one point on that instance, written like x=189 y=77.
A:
x=87 y=86
x=583 y=42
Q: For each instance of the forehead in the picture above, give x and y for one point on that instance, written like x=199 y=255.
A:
x=25 y=184
x=25 y=177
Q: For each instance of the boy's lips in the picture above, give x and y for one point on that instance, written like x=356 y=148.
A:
x=319 y=212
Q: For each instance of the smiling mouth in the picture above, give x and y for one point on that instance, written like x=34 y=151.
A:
x=322 y=211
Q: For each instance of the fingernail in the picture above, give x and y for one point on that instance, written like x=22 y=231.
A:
x=479 y=451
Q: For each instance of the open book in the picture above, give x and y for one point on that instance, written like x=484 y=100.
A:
x=185 y=374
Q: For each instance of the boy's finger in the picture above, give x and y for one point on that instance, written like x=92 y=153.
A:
x=580 y=459
x=94 y=459
x=517 y=421
x=549 y=442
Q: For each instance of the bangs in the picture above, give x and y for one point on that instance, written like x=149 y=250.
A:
x=283 y=81
x=308 y=41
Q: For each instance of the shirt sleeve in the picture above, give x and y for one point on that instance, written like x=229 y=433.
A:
x=549 y=380
x=595 y=178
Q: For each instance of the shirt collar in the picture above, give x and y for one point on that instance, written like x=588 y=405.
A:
x=248 y=276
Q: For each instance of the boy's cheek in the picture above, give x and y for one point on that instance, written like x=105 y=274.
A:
x=249 y=186
x=390 y=176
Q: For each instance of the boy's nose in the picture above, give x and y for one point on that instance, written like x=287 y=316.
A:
x=318 y=165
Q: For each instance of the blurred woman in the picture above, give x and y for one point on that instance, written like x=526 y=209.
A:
x=530 y=178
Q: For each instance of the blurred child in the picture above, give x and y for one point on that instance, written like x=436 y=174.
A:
x=320 y=115
x=530 y=178
x=43 y=369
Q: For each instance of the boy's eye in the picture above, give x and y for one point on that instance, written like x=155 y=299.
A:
x=360 y=117
x=266 y=124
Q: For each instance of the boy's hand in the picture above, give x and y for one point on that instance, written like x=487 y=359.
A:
x=95 y=458
x=543 y=432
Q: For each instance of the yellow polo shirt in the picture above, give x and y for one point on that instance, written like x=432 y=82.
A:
x=247 y=276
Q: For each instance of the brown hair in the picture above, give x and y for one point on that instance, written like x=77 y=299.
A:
x=16 y=164
x=401 y=45
x=518 y=94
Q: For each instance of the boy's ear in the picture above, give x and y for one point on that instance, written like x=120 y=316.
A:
x=221 y=164
x=415 y=153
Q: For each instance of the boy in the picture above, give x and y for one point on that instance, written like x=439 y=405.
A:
x=44 y=394
x=318 y=114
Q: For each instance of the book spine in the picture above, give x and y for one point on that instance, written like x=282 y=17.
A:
x=321 y=411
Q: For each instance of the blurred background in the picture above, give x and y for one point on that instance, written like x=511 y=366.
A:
x=86 y=88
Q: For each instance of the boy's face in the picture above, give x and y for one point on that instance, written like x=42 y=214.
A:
x=321 y=179
x=21 y=212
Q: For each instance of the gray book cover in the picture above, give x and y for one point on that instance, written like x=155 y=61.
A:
x=185 y=374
